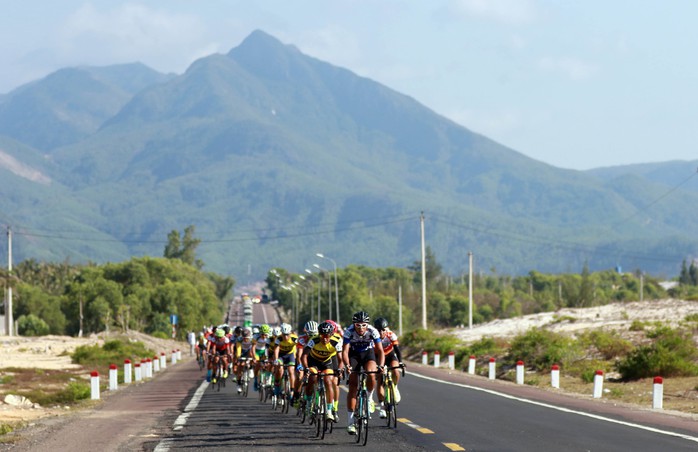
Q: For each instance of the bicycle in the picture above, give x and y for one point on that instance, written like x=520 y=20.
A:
x=301 y=411
x=266 y=386
x=285 y=397
x=361 y=414
x=245 y=378
x=318 y=411
x=217 y=373
x=200 y=358
x=389 y=400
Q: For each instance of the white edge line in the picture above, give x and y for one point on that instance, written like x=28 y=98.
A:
x=164 y=445
x=566 y=410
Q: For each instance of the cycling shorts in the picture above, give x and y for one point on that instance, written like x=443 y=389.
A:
x=322 y=365
x=288 y=359
x=357 y=360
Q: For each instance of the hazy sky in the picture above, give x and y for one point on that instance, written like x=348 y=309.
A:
x=574 y=83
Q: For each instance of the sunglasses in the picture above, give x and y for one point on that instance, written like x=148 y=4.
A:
x=361 y=325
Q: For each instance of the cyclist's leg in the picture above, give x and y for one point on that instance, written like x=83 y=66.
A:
x=355 y=366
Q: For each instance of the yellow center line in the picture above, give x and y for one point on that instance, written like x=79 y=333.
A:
x=453 y=446
x=424 y=430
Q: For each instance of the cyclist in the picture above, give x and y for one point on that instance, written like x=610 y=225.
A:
x=339 y=332
x=310 y=330
x=260 y=354
x=243 y=349
x=393 y=358
x=321 y=353
x=201 y=346
x=362 y=349
x=285 y=356
x=220 y=348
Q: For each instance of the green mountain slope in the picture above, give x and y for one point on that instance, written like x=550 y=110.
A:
x=274 y=155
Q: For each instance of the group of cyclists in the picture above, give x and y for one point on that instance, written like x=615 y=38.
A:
x=323 y=349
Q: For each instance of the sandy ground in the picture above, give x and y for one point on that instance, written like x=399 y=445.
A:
x=617 y=316
x=52 y=352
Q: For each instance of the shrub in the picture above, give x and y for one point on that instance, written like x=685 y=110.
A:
x=111 y=352
x=31 y=325
x=672 y=354
x=609 y=345
x=540 y=349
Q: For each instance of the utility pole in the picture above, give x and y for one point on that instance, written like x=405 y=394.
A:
x=424 y=275
x=8 y=304
x=470 y=289
x=399 y=308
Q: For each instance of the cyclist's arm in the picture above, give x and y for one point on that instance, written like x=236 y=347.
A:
x=397 y=353
x=380 y=356
x=345 y=353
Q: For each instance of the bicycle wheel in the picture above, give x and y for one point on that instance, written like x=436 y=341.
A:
x=321 y=417
x=286 y=391
x=245 y=384
x=358 y=422
x=391 y=406
x=301 y=408
x=364 y=421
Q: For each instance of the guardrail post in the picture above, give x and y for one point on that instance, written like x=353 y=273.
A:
x=451 y=360
x=127 y=371
x=163 y=361
x=437 y=358
x=658 y=393
x=137 y=371
x=94 y=385
x=471 y=365
x=555 y=376
x=598 y=384
x=425 y=358
x=493 y=364
x=156 y=364
x=519 y=372
x=113 y=384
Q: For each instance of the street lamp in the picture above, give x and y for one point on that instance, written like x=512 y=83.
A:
x=336 y=287
x=329 y=289
x=318 y=294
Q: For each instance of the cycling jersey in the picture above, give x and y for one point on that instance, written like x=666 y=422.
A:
x=389 y=341
x=286 y=346
x=243 y=348
x=221 y=344
x=361 y=343
x=322 y=351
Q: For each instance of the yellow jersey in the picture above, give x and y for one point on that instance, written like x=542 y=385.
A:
x=322 y=351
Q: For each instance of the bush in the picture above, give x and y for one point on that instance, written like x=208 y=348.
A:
x=31 y=325
x=672 y=354
x=609 y=345
x=111 y=352
x=540 y=349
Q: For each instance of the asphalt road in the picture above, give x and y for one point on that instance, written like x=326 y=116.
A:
x=435 y=415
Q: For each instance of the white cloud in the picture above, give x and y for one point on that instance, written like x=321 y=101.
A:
x=572 y=68
x=133 y=32
x=506 y=11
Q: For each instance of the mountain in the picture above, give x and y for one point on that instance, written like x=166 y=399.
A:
x=274 y=155
x=71 y=103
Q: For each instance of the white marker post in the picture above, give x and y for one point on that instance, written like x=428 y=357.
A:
x=555 y=376
x=658 y=393
x=437 y=358
x=113 y=383
x=94 y=385
x=493 y=364
x=127 y=371
x=519 y=372
x=598 y=384
x=471 y=365
x=451 y=360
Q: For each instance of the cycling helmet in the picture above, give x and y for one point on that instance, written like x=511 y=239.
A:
x=226 y=329
x=265 y=329
x=246 y=332
x=325 y=328
x=334 y=325
x=255 y=330
x=380 y=323
x=276 y=331
x=220 y=332
x=361 y=317
x=311 y=327
x=286 y=328
x=237 y=331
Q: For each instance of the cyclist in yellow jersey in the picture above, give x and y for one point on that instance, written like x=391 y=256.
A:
x=321 y=353
x=310 y=330
x=285 y=356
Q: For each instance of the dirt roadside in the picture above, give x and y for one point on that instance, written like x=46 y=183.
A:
x=123 y=421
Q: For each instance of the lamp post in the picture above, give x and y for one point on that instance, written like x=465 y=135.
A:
x=329 y=289
x=336 y=286
x=318 y=293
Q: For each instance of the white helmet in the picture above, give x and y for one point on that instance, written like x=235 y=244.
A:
x=311 y=327
x=276 y=331
x=286 y=328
